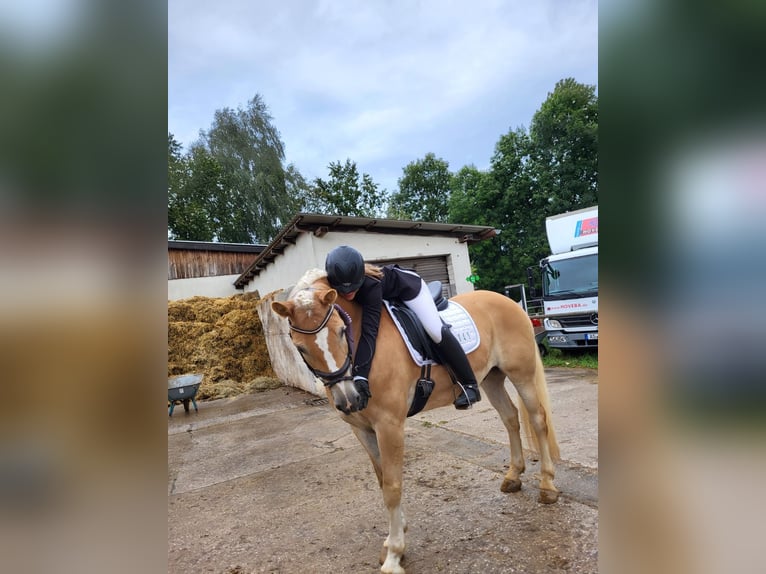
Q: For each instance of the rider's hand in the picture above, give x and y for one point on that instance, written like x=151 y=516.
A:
x=362 y=386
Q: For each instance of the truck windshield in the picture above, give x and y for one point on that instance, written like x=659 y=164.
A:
x=577 y=276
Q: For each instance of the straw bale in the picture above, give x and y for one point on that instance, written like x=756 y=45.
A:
x=223 y=339
x=181 y=311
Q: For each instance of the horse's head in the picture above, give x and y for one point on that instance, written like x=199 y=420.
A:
x=321 y=331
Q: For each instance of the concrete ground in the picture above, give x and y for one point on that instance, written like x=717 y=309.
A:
x=275 y=482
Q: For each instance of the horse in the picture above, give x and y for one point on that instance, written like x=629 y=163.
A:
x=321 y=327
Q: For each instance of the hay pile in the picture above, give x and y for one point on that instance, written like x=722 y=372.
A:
x=223 y=339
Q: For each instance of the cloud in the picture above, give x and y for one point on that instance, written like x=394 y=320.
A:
x=377 y=82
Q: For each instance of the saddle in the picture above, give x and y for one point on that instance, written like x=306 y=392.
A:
x=412 y=329
x=423 y=350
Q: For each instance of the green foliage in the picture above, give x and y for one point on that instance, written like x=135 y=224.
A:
x=564 y=152
x=551 y=169
x=232 y=185
x=249 y=149
x=345 y=192
x=296 y=186
x=475 y=199
x=424 y=191
x=190 y=201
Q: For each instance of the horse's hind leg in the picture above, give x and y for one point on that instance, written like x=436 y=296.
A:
x=538 y=417
x=494 y=388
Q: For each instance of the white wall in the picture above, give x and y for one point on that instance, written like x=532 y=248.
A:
x=310 y=251
x=221 y=286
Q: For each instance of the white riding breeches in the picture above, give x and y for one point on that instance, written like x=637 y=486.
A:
x=424 y=307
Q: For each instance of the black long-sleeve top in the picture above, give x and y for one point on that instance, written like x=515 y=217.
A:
x=396 y=284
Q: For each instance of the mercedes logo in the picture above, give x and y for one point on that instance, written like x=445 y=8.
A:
x=594 y=318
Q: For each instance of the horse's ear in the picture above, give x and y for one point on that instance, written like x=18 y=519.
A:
x=282 y=309
x=329 y=297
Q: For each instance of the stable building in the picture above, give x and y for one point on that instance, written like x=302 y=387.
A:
x=436 y=251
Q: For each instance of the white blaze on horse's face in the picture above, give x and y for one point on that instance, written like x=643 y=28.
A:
x=331 y=343
x=322 y=341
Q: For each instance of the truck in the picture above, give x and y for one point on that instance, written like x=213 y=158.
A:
x=570 y=280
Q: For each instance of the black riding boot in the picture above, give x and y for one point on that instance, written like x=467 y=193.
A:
x=452 y=353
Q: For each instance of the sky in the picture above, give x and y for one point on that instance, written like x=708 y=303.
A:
x=379 y=82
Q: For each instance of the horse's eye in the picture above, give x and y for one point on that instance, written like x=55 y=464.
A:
x=301 y=349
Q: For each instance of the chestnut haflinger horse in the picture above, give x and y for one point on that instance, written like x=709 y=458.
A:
x=321 y=329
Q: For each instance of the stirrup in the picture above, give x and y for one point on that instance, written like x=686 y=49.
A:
x=464 y=401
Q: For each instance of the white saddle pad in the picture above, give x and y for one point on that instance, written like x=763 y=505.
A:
x=463 y=328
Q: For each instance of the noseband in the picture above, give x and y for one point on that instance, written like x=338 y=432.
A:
x=330 y=379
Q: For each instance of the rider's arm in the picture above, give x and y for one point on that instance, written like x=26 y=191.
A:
x=371 y=300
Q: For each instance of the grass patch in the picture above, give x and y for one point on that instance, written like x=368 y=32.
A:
x=571 y=359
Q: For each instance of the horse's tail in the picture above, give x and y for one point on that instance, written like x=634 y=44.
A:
x=542 y=395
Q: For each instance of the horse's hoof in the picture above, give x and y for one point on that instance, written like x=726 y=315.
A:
x=511 y=485
x=548 y=496
x=396 y=569
x=384 y=554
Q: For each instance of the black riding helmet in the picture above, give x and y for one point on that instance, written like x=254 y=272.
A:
x=345 y=269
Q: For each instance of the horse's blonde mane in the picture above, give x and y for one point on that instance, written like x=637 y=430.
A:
x=299 y=294
x=309 y=278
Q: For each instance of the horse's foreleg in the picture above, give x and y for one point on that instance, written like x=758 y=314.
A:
x=391 y=446
x=494 y=389
x=370 y=443
x=539 y=420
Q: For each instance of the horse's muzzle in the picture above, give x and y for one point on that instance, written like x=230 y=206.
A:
x=348 y=398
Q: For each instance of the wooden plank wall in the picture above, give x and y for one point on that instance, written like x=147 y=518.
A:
x=187 y=264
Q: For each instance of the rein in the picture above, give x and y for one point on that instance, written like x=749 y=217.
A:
x=330 y=379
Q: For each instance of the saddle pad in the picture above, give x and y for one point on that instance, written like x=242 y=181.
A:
x=463 y=328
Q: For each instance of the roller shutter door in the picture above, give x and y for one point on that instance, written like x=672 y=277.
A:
x=429 y=268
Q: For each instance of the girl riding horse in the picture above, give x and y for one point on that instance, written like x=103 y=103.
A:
x=368 y=285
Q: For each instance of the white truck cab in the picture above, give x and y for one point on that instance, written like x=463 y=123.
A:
x=570 y=280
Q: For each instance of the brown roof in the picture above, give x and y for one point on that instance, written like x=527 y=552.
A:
x=319 y=225
x=215 y=246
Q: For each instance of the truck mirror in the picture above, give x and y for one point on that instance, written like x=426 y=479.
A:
x=531 y=282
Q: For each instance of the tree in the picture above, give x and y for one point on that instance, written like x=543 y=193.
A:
x=257 y=200
x=474 y=199
x=194 y=180
x=549 y=170
x=512 y=172
x=564 y=147
x=424 y=191
x=296 y=185
x=345 y=193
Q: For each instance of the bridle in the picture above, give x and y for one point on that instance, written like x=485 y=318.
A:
x=330 y=379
